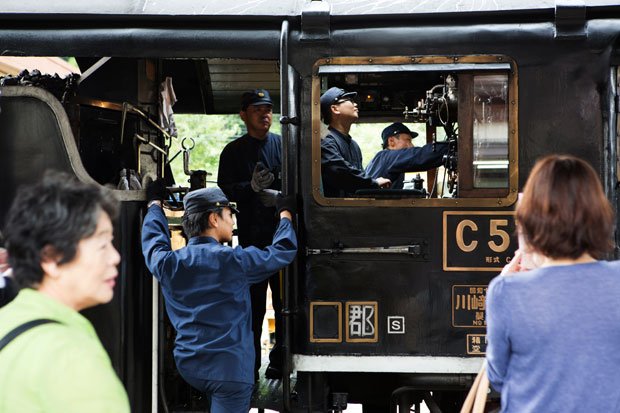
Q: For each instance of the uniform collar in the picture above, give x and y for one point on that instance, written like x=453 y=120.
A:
x=258 y=141
x=202 y=240
x=339 y=134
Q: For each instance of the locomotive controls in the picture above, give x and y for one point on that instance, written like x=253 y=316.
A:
x=440 y=108
x=197 y=178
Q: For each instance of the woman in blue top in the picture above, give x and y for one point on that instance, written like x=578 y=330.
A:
x=554 y=328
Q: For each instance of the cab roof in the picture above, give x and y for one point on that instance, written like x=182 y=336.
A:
x=281 y=8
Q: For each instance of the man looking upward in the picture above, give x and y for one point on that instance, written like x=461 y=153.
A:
x=341 y=157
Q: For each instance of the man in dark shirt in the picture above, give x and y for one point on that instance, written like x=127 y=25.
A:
x=249 y=174
x=341 y=157
x=399 y=155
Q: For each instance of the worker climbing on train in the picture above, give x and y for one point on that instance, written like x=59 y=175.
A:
x=206 y=288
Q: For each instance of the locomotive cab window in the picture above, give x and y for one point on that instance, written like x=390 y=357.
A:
x=431 y=131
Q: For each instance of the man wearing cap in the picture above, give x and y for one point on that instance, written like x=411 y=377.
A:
x=341 y=157
x=249 y=174
x=206 y=288
x=399 y=155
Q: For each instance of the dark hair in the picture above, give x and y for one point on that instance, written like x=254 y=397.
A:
x=564 y=212
x=327 y=116
x=195 y=224
x=51 y=217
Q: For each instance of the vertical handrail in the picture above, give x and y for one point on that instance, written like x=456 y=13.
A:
x=610 y=149
x=614 y=130
x=287 y=189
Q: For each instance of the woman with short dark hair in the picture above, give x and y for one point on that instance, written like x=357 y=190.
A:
x=59 y=242
x=554 y=328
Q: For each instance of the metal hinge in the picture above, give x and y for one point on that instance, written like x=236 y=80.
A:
x=570 y=20
x=315 y=21
x=285 y=120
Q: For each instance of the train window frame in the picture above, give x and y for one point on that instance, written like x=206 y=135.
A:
x=474 y=64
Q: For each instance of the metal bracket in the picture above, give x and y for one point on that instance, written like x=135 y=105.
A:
x=315 y=21
x=285 y=120
x=93 y=69
x=148 y=142
x=570 y=20
x=415 y=250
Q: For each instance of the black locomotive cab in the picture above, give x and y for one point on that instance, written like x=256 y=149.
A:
x=386 y=290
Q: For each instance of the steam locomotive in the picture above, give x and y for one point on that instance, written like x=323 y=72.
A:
x=384 y=305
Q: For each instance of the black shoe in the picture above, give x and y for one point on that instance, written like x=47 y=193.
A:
x=273 y=373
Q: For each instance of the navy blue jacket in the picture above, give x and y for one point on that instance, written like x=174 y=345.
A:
x=206 y=287
x=393 y=163
x=256 y=223
x=341 y=166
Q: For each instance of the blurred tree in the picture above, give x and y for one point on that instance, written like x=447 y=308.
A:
x=71 y=60
x=210 y=133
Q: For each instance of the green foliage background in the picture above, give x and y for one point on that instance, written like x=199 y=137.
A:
x=368 y=137
x=212 y=132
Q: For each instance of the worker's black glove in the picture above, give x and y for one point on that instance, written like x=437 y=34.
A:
x=261 y=178
x=286 y=203
x=156 y=191
x=268 y=197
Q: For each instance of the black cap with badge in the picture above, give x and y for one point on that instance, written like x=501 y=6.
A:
x=395 y=129
x=255 y=97
x=330 y=97
x=207 y=199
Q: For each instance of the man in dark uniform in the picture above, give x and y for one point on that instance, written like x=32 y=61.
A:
x=399 y=155
x=206 y=288
x=341 y=157
x=249 y=174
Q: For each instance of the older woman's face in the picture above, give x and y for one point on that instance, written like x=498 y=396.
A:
x=89 y=278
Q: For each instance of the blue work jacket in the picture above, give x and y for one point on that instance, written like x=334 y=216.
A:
x=341 y=166
x=206 y=288
x=393 y=163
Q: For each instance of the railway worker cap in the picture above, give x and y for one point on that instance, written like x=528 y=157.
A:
x=255 y=97
x=331 y=97
x=395 y=129
x=207 y=199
